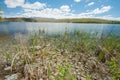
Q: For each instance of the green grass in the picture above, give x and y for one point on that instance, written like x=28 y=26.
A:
x=105 y=50
x=88 y=77
x=114 y=69
x=64 y=72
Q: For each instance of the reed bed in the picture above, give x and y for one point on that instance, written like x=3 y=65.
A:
x=64 y=56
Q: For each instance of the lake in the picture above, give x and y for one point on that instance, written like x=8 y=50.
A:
x=54 y=28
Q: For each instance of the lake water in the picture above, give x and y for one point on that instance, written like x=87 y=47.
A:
x=53 y=28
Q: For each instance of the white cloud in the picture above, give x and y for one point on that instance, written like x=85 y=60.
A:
x=102 y=10
x=77 y=0
x=97 y=11
x=65 y=8
x=14 y=3
x=91 y=3
x=36 y=5
x=21 y=3
x=61 y=12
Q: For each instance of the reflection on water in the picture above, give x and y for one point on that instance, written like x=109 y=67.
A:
x=53 y=28
x=20 y=30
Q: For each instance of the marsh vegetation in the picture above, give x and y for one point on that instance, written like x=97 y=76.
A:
x=67 y=56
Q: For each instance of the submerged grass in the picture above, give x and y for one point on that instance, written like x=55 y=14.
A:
x=47 y=56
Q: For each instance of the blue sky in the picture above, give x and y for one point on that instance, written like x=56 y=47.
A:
x=106 y=9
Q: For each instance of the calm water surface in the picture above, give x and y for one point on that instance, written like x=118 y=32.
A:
x=53 y=28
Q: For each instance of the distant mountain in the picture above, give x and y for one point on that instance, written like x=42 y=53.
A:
x=75 y=20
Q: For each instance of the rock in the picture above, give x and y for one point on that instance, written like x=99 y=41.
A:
x=8 y=68
x=11 y=77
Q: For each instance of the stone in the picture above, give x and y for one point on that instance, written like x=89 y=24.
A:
x=8 y=68
x=11 y=77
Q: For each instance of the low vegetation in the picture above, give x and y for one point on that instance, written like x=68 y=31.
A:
x=79 y=20
x=63 y=56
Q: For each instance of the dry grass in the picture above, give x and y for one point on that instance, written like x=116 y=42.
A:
x=56 y=57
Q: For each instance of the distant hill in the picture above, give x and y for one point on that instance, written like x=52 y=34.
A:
x=35 y=19
x=89 y=20
x=78 y=20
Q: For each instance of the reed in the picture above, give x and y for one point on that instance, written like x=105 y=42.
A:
x=43 y=48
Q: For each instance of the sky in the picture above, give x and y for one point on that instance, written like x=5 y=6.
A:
x=105 y=9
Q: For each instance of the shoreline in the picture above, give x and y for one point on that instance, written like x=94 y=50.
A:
x=81 y=20
x=60 y=57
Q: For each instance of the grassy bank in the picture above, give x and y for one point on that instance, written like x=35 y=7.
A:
x=75 y=20
x=70 y=56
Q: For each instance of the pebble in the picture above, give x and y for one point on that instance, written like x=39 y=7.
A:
x=8 y=68
x=11 y=77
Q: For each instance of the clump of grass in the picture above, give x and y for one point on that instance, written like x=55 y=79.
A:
x=109 y=46
x=88 y=77
x=114 y=69
x=8 y=56
x=64 y=72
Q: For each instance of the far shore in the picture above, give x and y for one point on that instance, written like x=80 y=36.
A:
x=77 y=20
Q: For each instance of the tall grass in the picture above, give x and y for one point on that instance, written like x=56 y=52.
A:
x=106 y=49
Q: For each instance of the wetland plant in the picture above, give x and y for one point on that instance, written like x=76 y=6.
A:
x=106 y=50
